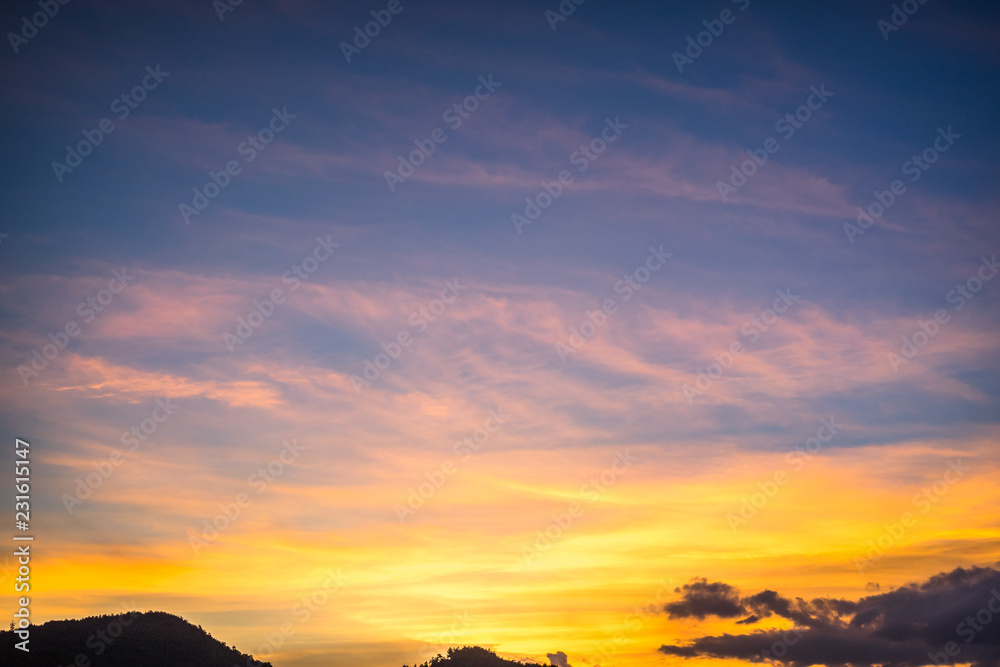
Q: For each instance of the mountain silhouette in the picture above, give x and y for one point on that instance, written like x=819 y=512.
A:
x=150 y=639
x=472 y=656
x=159 y=639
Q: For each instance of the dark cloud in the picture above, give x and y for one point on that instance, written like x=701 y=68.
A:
x=951 y=618
x=701 y=599
x=558 y=659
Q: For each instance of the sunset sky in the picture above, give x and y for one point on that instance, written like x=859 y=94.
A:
x=554 y=331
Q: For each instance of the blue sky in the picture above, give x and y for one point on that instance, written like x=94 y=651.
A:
x=322 y=179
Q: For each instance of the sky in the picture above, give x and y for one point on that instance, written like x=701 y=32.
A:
x=592 y=333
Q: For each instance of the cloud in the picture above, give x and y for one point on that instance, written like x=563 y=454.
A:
x=558 y=659
x=911 y=626
x=703 y=599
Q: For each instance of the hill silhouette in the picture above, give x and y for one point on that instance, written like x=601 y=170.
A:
x=159 y=639
x=472 y=656
x=150 y=639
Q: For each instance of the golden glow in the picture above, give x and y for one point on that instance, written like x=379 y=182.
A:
x=449 y=576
